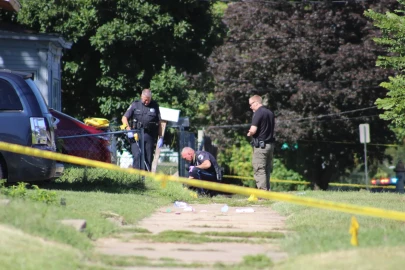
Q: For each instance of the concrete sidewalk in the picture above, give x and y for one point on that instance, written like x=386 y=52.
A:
x=203 y=218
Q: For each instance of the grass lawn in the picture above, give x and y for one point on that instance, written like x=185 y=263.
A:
x=88 y=197
x=19 y=250
x=32 y=238
x=321 y=238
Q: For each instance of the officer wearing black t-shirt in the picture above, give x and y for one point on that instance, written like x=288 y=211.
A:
x=262 y=133
x=144 y=114
x=203 y=165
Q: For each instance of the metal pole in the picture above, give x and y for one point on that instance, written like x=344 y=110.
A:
x=365 y=158
x=400 y=174
x=143 y=162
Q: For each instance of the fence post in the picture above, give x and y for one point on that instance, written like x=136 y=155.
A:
x=113 y=141
x=185 y=139
x=400 y=174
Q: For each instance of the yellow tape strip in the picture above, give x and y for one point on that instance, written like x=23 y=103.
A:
x=307 y=183
x=347 y=208
x=15 y=148
x=376 y=144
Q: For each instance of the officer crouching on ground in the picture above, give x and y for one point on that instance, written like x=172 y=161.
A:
x=203 y=166
x=144 y=114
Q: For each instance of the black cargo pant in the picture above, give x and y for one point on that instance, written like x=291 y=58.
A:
x=201 y=174
x=149 y=143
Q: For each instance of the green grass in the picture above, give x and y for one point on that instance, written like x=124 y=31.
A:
x=271 y=235
x=123 y=261
x=187 y=237
x=317 y=238
x=19 y=250
x=89 y=194
x=320 y=233
x=260 y=261
x=354 y=259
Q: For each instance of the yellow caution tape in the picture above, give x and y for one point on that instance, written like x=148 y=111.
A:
x=359 y=186
x=323 y=204
x=307 y=183
x=15 y=148
x=272 y=180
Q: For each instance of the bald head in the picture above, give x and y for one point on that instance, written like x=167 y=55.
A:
x=187 y=153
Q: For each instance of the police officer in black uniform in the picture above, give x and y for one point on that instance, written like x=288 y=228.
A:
x=144 y=114
x=203 y=166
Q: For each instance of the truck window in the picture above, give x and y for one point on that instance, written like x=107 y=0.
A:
x=38 y=95
x=9 y=99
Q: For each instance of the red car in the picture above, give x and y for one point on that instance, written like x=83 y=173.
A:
x=70 y=139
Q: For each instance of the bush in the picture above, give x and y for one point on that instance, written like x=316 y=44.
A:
x=238 y=162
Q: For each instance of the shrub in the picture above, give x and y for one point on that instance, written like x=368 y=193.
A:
x=238 y=162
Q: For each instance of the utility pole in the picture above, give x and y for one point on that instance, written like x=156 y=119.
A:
x=365 y=138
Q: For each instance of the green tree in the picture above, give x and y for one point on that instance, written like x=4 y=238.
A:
x=313 y=63
x=392 y=39
x=123 y=46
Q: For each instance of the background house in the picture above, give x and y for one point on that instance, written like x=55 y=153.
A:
x=39 y=54
x=35 y=53
x=12 y=5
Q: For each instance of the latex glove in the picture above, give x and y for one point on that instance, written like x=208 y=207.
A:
x=130 y=135
x=190 y=169
x=160 y=142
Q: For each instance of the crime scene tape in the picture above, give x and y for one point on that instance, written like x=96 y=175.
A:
x=272 y=180
x=323 y=204
x=307 y=183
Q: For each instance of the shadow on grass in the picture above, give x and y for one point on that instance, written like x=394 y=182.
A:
x=95 y=179
x=104 y=185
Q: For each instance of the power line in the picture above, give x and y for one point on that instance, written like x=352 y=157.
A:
x=335 y=142
x=305 y=118
x=330 y=120
x=231 y=40
x=264 y=90
x=332 y=114
x=235 y=43
x=287 y=2
x=293 y=58
x=237 y=126
x=301 y=81
x=334 y=50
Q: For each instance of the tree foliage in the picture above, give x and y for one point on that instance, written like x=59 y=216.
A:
x=314 y=65
x=392 y=39
x=123 y=46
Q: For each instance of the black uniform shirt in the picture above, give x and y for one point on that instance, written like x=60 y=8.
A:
x=148 y=117
x=263 y=119
x=201 y=156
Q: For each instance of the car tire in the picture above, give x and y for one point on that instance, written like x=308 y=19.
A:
x=3 y=173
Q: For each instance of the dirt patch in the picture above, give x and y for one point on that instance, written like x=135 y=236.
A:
x=203 y=218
